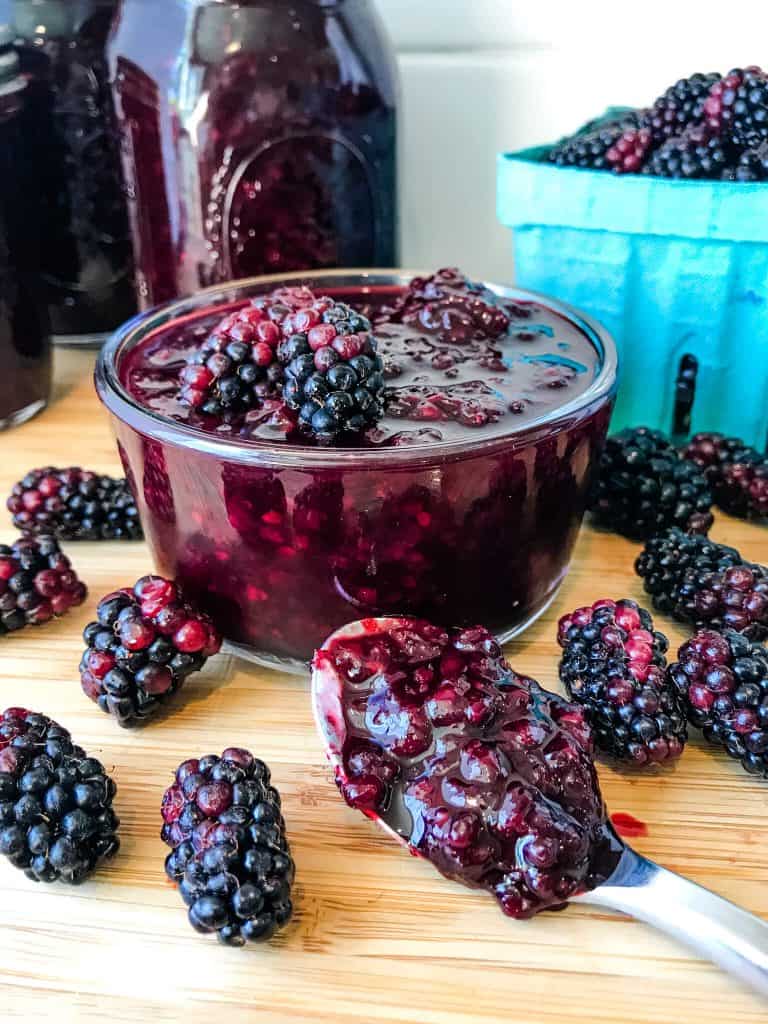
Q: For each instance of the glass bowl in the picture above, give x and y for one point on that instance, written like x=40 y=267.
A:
x=283 y=543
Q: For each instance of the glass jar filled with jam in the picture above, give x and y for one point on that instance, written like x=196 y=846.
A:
x=87 y=262
x=25 y=354
x=259 y=137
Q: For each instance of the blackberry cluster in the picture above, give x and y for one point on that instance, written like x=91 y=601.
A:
x=680 y=106
x=752 y=165
x=333 y=374
x=144 y=644
x=236 y=368
x=37 y=582
x=230 y=854
x=697 y=153
x=707 y=126
x=617 y=144
x=643 y=487
x=723 y=679
x=614 y=665
x=737 y=106
x=74 y=504
x=736 y=472
x=56 y=817
x=708 y=585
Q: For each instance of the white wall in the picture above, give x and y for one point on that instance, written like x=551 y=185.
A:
x=483 y=76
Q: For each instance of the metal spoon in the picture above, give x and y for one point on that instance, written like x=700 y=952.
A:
x=718 y=930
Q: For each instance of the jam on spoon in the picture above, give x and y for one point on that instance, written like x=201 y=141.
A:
x=490 y=777
x=474 y=767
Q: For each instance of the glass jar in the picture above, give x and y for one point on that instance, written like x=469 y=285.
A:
x=87 y=261
x=259 y=137
x=25 y=355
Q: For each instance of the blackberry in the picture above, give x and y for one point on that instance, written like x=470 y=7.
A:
x=680 y=106
x=742 y=489
x=333 y=374
x=694 y=154
x=736 y=472
x=752 y=165
x=629 y=152
x=614 y=665
x=74 y=504
x=144 y=644
x=619 y=144
x=236 y=368
x=37 y=582
x=230 y=854
x=56 y=817
x=697 y=581
x=737 y=106
x=644 y=487
x=723 y=680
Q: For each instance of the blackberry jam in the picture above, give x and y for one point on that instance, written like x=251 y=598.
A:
x=259 y=138
x=473 y=766
x=25 y=356
x=86 y=263
x=462 y=504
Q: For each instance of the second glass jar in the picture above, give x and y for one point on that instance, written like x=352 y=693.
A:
x=259 y=137
x=74 y=163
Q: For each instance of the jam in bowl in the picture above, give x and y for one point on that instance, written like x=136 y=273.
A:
x=460 y=505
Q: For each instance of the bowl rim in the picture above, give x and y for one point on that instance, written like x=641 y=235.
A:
x=121 y=404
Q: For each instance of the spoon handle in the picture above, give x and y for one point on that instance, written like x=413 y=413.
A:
x=731 y=937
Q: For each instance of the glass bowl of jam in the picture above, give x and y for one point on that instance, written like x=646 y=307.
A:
x=461 y=505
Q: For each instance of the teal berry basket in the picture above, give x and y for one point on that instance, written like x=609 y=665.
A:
x=677 y=271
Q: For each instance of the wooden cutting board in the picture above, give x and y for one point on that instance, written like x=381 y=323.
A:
x=378 y=935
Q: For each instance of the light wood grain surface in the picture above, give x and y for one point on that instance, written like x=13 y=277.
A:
x=378 y=936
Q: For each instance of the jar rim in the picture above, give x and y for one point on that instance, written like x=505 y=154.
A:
x=126 y=408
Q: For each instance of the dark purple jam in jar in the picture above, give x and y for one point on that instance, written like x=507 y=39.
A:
x=86 y=262
x=462 y=504
x=25 y=355
x=259 y=138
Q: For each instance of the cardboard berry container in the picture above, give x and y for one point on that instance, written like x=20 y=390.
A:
x=676 y=270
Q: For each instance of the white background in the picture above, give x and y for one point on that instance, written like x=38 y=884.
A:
x=483 y=76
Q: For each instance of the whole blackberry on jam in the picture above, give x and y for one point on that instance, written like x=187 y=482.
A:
x=679 y=107
x=614 y=665
x=333 y=374
x=619 y=144
x=696 y=153
x=37 y=582
x=752 y=165
x=230 y=854
x=723 y=680
x=643 y=487
x=236 y=369
x=697 y=581
x=74 y=504
x=737 y=106
x=56 y=817
x=144 y=644
x=736 y=472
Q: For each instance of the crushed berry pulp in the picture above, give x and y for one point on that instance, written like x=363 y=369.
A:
x=282 y=541
x=476 y=768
